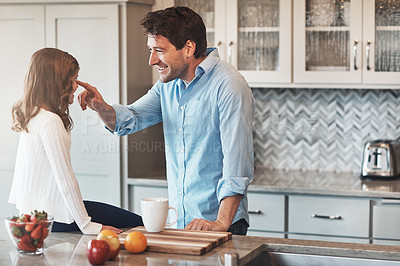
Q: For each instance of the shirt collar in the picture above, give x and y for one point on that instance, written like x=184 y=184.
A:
x=209 y=62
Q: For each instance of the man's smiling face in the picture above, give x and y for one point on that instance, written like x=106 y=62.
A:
x=171 y=63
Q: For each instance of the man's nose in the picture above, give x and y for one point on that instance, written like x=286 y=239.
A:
x=153 y=59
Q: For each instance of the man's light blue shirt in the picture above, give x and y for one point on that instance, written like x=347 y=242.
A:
x=208 y=137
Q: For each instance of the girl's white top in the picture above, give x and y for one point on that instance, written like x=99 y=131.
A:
x=43 y=176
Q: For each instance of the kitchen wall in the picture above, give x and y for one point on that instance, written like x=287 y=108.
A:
x=321 y=129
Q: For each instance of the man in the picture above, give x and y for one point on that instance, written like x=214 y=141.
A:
x=206 y=107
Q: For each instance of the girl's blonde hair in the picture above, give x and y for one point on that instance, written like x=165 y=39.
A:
x=48 y=83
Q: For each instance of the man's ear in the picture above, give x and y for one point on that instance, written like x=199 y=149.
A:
x=190 y=48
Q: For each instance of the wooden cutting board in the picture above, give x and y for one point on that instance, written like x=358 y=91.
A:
x=179 y=241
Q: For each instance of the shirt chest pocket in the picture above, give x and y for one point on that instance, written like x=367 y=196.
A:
x=198 y=117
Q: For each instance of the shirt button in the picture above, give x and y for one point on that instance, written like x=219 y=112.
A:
x=180 y=193
x=180 y=129
x=181 y=107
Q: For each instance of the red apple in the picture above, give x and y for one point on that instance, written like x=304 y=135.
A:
x=112 y=240
x=97 y=251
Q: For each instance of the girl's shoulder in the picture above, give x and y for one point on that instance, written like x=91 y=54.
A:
x=45 y=119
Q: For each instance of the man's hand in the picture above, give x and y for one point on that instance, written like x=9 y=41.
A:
x=205 y=225
x=92 y=98
x=226 y=213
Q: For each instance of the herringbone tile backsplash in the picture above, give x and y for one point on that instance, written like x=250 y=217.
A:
x=321 y=129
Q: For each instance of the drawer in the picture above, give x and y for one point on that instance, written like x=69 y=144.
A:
x=335 y=216
x=266 y=211
x=386 y=219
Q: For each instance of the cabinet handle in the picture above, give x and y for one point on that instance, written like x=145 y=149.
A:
x=331 y=217
x=230 y=52
x=355 y=54
x=367 y=51
x=255 y=212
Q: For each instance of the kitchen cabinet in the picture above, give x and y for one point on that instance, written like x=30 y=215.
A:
x=139 y=192
x=346 y=42
x=90 y=34
x=334 y=216
x=385 y=220
x=266 y=214
x=254 y=36
x=109 y=44
x=22 y=33
x=329 y=43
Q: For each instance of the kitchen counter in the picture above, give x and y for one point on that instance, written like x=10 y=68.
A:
x=69 y=249
x=323 y=183
x=309 y=182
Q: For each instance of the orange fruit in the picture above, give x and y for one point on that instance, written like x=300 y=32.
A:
x=135 y=242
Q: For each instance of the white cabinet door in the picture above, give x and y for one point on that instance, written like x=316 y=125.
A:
x=346 y=42
x=386 y=219
x=381 y=41
x=254 y=36
x=258 y=39
x=326 y=41
x=21 y=34
x=90 y=33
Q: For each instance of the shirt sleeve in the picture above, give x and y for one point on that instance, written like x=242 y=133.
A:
x=56 y=142
x=236 y=107
x=143 y=113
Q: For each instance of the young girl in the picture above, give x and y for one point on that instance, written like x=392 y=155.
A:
x=43 y=177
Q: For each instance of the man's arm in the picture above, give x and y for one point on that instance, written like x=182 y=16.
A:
x=91 y=98
x=226 y=213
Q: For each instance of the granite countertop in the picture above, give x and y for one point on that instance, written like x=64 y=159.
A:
x=323 y=183
x=70 y=249
x=309 y=182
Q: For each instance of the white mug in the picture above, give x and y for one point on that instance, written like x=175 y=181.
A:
x=155 y=213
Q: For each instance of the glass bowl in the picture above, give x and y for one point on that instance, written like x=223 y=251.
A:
x=29 y=237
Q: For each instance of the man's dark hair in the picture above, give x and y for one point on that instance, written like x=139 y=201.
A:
x=178 y=24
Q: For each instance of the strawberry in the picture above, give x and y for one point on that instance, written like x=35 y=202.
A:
x=40 y=243
x=26 y=246
x=37 y=233
x=37 y=216
x=26 y=239
x=29 y=227
x=14 y=218
x=45 y=232
x=17 y=231
x=26 y=218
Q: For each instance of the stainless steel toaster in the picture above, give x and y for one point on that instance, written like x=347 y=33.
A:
x=381 y=159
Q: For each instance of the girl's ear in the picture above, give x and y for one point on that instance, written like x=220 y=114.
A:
x=190 y=48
